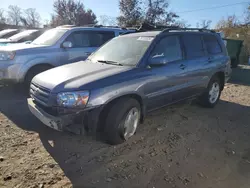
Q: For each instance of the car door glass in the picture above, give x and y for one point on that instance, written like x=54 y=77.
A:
x=168 y=47
x=85 y=40
x=212 y=45
x=90 y=38
x=79 y=39
x=193 y=46
x=24 y=39
x=99 y=38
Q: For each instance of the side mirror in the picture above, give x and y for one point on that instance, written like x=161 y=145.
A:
x=28 y=42
x=67 y=44
x=157 y=61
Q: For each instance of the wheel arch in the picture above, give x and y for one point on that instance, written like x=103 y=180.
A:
x=107 y=106
x=35 y=66
x=221 y=76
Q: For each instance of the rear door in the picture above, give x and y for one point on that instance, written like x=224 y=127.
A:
x=214 y=50
x=85 y=43
x=197 y=60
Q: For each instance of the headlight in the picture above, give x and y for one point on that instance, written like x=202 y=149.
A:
x=7 y=56
x=73 y=99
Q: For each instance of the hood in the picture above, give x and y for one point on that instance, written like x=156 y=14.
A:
x=73 y=76
x=5 y=40
x=18 y=46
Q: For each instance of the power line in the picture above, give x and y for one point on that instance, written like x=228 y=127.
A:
x=213 y=7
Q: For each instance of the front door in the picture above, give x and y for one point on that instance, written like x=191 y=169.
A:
x=85 y=43
x=167 y=80
x=81 y=48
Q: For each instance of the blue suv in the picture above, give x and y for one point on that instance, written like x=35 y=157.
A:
x=113 y=90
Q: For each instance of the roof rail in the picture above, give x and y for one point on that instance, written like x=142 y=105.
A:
x=99 y=26
x=66 y=26
x=188 y=29
x=148 y=27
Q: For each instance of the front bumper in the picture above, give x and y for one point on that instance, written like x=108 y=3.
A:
x=9 y=72
x=79 y=122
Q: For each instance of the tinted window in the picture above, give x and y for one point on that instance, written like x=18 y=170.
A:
x=168 y=47
x=193 y=46
x=89 y=39
x=212 y=44
x=99 y=38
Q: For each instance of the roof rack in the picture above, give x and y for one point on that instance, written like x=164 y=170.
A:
x=65 y=26
x=90 y=25
x=148 y=27
x=109 y=26
x=188 y=29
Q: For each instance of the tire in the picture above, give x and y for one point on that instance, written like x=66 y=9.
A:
x=207 y=100
x=114 y=131
x=33 y=72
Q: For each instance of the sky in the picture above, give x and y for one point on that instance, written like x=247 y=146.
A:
x=111 y=8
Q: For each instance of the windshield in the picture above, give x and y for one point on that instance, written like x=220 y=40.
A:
x=6 y=31
x=123 y=50
x=22 y=35
x=50 y=37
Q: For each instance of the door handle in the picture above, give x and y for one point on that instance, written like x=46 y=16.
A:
x=88 y=53
x=182 y=66
x=210 y=59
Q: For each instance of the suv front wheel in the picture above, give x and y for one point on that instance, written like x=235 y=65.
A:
x=122 y=120
x=212 y=95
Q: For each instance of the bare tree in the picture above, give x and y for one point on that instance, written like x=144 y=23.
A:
x=71 y=12
x=107 y=20
x=157 y=13
x=181 y=24
x=2 y=17
x=229 y=22
x=204 y=24
x=14 y=15
x=153 y=12
x=32 y=18
x=130 y=13
x=247 y=16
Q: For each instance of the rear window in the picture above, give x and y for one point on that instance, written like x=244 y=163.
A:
x=193 y=46
x=212 y=44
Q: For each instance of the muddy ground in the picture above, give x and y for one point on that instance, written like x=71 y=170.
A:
x=184 y=145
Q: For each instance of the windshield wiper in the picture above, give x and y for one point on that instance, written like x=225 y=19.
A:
x=110 y=62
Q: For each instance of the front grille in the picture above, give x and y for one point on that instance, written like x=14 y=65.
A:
x=49 y=110
x=39 y=94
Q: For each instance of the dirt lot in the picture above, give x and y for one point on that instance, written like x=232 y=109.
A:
x=184 y=145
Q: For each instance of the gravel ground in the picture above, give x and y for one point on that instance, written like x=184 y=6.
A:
x=184 y=145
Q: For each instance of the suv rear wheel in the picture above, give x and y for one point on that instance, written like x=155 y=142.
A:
x=122 y=121
x=212 y=95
